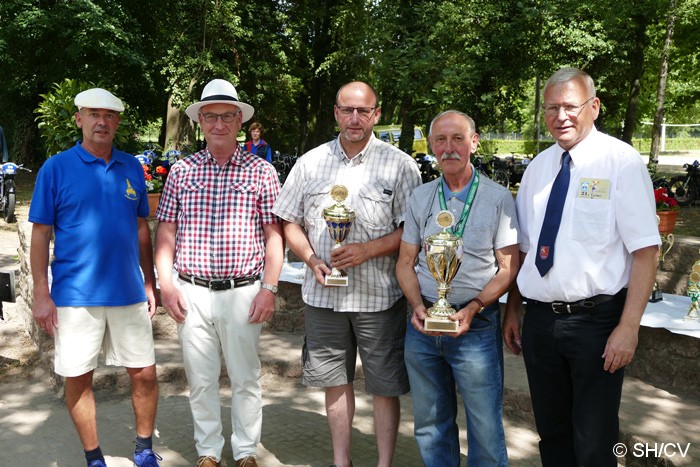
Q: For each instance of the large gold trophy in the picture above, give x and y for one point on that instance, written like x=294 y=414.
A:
x=339 y=219
x=443 y=253
x=666 y=245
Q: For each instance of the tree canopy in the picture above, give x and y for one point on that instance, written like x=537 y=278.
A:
x=289 y=57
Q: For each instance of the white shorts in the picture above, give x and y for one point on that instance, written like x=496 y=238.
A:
x=123 y=333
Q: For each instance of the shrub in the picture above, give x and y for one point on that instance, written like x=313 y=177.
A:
x=56 y=120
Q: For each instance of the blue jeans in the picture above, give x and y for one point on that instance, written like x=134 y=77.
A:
x=474 y=363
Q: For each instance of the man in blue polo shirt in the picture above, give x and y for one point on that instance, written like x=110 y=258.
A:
x=93 y=198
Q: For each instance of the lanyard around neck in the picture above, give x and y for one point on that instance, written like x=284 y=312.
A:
x=467 y=205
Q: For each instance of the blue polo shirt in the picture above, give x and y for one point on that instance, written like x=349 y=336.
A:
x=94 y=209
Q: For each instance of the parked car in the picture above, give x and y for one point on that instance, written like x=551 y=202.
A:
x=391 y=134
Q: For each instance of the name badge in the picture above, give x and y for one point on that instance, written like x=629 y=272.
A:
x=593 y=188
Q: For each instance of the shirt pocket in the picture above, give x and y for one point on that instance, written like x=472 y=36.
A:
x=375 y=206
x=241 y=200
x=591 y=220
x=316 y=194
x=194 y=197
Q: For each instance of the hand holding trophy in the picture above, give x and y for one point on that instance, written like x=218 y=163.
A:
x=443 y=253
x=339 y=219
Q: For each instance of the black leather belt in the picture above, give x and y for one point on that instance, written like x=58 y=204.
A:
x=428 y=304
x=223 y=284
x=586 y=305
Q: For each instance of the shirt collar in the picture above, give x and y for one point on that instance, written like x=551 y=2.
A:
x=462 y=194
x=89 y=158
x=578 y=152
x=235 y=158
x=360 y=157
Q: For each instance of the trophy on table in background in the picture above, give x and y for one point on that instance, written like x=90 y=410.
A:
x=338 y=219
x=443 y=253
x=694 y=291
x=666 y=245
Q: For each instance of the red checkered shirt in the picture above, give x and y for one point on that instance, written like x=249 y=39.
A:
x=219 y=213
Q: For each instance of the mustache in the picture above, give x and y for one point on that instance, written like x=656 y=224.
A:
x=452 y=155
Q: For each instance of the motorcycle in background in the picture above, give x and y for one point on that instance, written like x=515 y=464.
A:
x=686 y=188
x=8 y=190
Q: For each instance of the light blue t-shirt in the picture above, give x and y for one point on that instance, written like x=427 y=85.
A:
x=492 y=225
x=94 y=209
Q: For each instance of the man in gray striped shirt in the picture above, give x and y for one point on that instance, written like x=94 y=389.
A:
x=369 y=314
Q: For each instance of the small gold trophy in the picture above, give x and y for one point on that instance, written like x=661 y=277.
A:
x=666 y=245
x=443 y=253
x=694 y=291
x=339 y=219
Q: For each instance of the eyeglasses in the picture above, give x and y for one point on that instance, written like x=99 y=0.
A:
x=364 y=112
x=227 y=117
x=569 y=109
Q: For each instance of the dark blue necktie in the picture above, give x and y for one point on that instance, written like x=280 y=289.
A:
x=552 y=217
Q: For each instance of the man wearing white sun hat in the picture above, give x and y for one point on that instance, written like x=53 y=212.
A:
x=93 y=197
x=217 y=231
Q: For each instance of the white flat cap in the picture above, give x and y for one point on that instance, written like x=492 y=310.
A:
x=98 y=98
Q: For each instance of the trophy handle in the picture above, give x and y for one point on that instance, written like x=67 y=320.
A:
x=666 y=240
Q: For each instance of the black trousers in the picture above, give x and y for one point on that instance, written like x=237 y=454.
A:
x=575 y=401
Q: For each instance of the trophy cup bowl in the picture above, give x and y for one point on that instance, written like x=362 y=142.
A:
x=443 y=253
x=339 y=219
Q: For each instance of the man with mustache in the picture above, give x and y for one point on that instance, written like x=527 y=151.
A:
x=483 y=215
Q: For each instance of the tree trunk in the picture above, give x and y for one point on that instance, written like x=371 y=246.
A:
x=636 y=87
x=406 y=139
x=178 y=129
x=661 y=89
x=536 y=135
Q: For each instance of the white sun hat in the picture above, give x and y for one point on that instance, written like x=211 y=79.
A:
x=220 y=91
x=98 y=98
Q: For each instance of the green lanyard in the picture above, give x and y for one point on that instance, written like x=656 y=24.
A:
x=467 y=206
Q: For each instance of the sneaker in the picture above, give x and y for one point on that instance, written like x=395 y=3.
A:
x=247 y=462
x=147 y=458
x=208 y=461
x=97 y=463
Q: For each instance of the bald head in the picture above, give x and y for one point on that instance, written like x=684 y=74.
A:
x=356 y=88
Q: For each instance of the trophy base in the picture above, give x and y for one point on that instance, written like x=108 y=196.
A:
x=656 y=296
x=440 y=325
x=336 y=281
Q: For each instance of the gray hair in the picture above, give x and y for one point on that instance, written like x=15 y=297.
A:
x=569 y=74
x=471 y=126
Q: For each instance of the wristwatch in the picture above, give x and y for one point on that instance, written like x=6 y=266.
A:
x=478 y=314
x=271 y=288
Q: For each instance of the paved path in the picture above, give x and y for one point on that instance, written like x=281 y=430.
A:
x=35 y=428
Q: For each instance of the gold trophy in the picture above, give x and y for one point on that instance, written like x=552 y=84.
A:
x=666 y=245
x=694 y=292
x=443 y=253
x=339 y=219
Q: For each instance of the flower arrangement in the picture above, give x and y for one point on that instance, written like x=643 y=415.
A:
x=155 y=169
x=664 y=202
x=155 y=177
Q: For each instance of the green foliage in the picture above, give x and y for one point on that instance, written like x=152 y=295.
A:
x=643 y=145
x=56 y=119
x=288 y=59
x=526 y=147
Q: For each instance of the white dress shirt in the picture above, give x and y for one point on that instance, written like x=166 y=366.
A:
x=608 y=214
